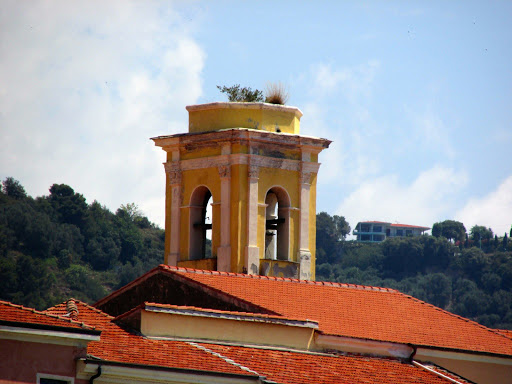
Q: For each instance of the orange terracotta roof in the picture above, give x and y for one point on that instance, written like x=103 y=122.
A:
x=375 y=222
x=355 y=311
x=20 y=314
x=394 y=225
x=409 y=226
x=120 y=345
x=291 y=367
x=506 y=332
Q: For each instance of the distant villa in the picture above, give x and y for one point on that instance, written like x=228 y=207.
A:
x=378 y=231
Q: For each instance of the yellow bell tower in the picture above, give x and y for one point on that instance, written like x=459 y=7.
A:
x=248 y=163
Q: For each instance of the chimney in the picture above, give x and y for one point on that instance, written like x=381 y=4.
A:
x=72 y=309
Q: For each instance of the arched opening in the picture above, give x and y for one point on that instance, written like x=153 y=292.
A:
x=277 y=224
x=200 y=224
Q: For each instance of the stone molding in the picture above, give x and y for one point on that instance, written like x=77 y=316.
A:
x=253 y=172
x=254 y=105
x=305 y=177
x=173 y=171
x=244 y=136
x=254 y=161
x=224 y=171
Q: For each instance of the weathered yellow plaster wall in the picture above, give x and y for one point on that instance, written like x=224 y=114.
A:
x=479 y=372
x=168 y=221
x=250 y=332
x=192 y=152
x=239 y=185
x=215 y=141
x=312 y=226
x=206 y=264
x=267 y=117
x=279 y=268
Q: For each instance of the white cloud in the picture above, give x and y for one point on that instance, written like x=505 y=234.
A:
x=493 y=210
x=429 y=131
x=354 y=82
x=338 y=109
x=84 y=85
x=425 y=200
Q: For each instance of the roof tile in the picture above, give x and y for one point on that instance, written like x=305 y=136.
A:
x=122 y=345
x=21 y=314
x=358 y=311
x=293 y=367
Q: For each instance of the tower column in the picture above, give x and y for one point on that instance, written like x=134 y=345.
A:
x=304 y=256
x=252 y=257
x=173 y=172
x=224 y=250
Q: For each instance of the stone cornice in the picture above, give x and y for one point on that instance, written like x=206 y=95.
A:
x=234 y=105
x=242 y=136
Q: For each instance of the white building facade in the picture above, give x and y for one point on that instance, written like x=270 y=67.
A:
x=378 y=231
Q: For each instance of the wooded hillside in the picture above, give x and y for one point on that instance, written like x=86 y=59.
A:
x=468 y=274
x=58 y=246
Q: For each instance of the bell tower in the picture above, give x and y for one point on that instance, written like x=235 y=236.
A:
x=246 y=164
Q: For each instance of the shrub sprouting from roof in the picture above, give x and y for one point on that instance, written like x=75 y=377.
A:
x=245 y=94
x=275 y=93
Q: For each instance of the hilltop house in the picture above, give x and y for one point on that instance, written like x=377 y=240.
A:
x=249 y=312
x=378 y=231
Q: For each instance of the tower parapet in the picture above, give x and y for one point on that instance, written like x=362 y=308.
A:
x=260 y=175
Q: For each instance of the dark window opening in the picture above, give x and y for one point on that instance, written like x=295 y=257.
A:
x=43 y=380
x=201 y=224
x=277 y=224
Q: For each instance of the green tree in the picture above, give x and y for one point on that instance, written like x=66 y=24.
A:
x=472 y=262
x=245 y=94
x=437 y=252
x=135 y=214
x=71 y=207
x=330 y=230
x=451 y=229
x=83 y=282
x=132 y=210
x=403 y=256
x=490 y=282
x=130 y=236
x=13 y=188
x=33 y=282
x=438 y=289
x=479 y=232
x=8 y=277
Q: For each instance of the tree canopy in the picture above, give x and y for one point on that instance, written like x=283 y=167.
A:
x=13 y=188
x=57 y=246
x=479 y=232
x=245 y=94
x=451 y=229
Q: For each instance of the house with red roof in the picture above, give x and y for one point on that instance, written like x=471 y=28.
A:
x=378 y=231
x=250 y=311
x=42 y=347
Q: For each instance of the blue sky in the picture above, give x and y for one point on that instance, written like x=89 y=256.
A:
x=415 y=96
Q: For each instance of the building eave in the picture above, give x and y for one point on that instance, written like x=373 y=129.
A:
x=115 y=371
x=48 y=334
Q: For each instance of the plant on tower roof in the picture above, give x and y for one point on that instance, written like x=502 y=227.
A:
x=275 y=93
x=241 y=95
